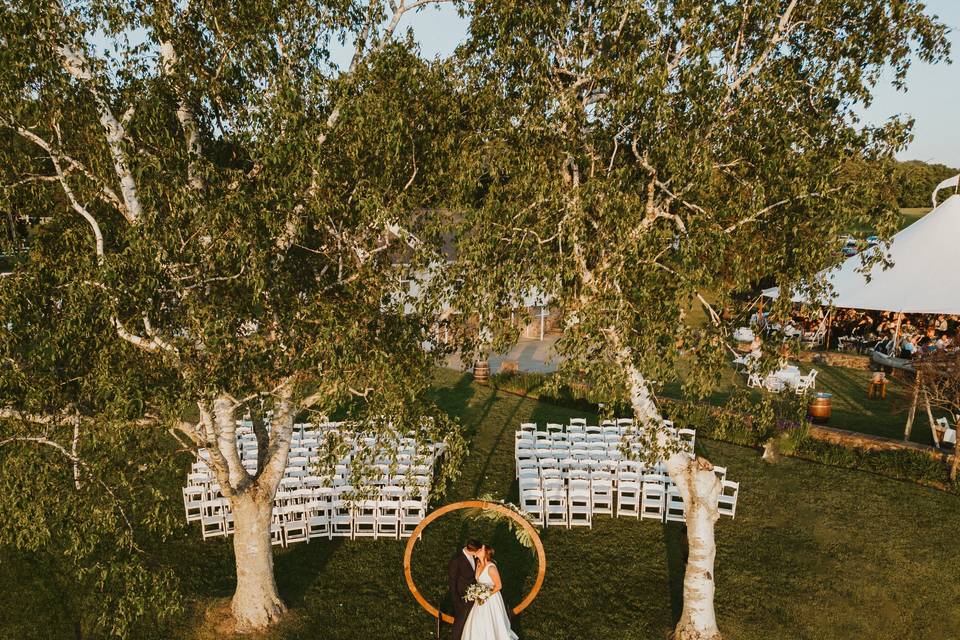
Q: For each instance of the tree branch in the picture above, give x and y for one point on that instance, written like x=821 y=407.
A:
x=188 y=123
x=76 y=460
x=114 y=133
x=783 y=29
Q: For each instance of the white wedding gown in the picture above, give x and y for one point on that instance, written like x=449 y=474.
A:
x=488 y=621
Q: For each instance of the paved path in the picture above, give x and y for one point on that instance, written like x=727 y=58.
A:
x=532 y=354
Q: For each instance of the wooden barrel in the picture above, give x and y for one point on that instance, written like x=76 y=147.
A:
x=820 y=406
x=481 y=371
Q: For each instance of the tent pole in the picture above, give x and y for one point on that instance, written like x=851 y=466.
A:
x=826 y=336
x=913 y=408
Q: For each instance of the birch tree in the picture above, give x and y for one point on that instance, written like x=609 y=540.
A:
x=228 y=205
x=641 y=162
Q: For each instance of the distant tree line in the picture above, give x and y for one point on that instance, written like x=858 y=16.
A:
x=916 y=180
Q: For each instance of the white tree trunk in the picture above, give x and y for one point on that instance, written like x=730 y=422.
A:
x=700 y=489
x=256 y=603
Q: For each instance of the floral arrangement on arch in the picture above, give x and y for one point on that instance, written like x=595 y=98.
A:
x=523 y=536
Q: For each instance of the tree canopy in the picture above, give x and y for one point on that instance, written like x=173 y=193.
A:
x=228 y=211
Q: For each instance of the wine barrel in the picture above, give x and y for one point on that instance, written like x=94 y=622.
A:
x=820 y=406
x=481 y=371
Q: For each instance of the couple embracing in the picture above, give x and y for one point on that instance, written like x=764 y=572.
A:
x=486 y=618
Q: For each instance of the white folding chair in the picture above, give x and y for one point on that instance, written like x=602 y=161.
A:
x=318 y=524
x=388 y=518
x=727 y=503
x=295 y=529
x=213 y=525
x=531 y=500
x=341 y=520
x=601 y=497
x=193 y=502
x=578 y=502
x=365 y=519
x=555 y=507
x=675 y=511
x=628 y=500
x=412 y=513
x=806 y=383
x=652 y=501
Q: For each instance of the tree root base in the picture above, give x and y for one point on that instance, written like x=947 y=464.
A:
x=250 y=619
x=689 y=632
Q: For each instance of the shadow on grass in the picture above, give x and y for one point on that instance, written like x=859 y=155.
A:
x=297 y=569
x=456 y=398
x=675 y=540
x=508 y=427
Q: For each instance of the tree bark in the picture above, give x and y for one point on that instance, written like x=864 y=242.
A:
x=700 y=489
x=256 y=603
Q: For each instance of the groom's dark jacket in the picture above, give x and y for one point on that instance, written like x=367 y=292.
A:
x=461 y=575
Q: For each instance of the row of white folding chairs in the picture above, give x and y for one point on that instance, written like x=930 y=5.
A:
x=596 y=442
x=296 y=479
x=604 y=432
x=303 y=466
x=577 y=424
x=687 y=438
x=342 y=519
x=602 y=469
x=576 y=503
x=613 y=471
x=542 y=439
x=550 y=479
x=598 y=450
x=196 y=496
x=250 y=450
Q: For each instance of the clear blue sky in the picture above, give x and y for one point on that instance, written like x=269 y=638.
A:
x=932 y=98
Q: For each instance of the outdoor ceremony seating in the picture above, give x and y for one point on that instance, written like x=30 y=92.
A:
x=566 y=479
x=309 y=507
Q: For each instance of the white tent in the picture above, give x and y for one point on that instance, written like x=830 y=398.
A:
x=924 y=278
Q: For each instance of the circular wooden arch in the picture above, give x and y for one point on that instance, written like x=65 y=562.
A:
x=474 y=504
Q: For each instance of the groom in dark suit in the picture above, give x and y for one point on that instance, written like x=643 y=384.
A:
x=462 y=573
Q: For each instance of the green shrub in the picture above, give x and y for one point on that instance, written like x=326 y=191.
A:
x=902 y=464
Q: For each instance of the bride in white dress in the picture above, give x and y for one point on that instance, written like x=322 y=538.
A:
x=488 y=621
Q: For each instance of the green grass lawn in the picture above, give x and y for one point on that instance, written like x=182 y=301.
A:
x=815 y=552
x=908 y=216
x=852 y=409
